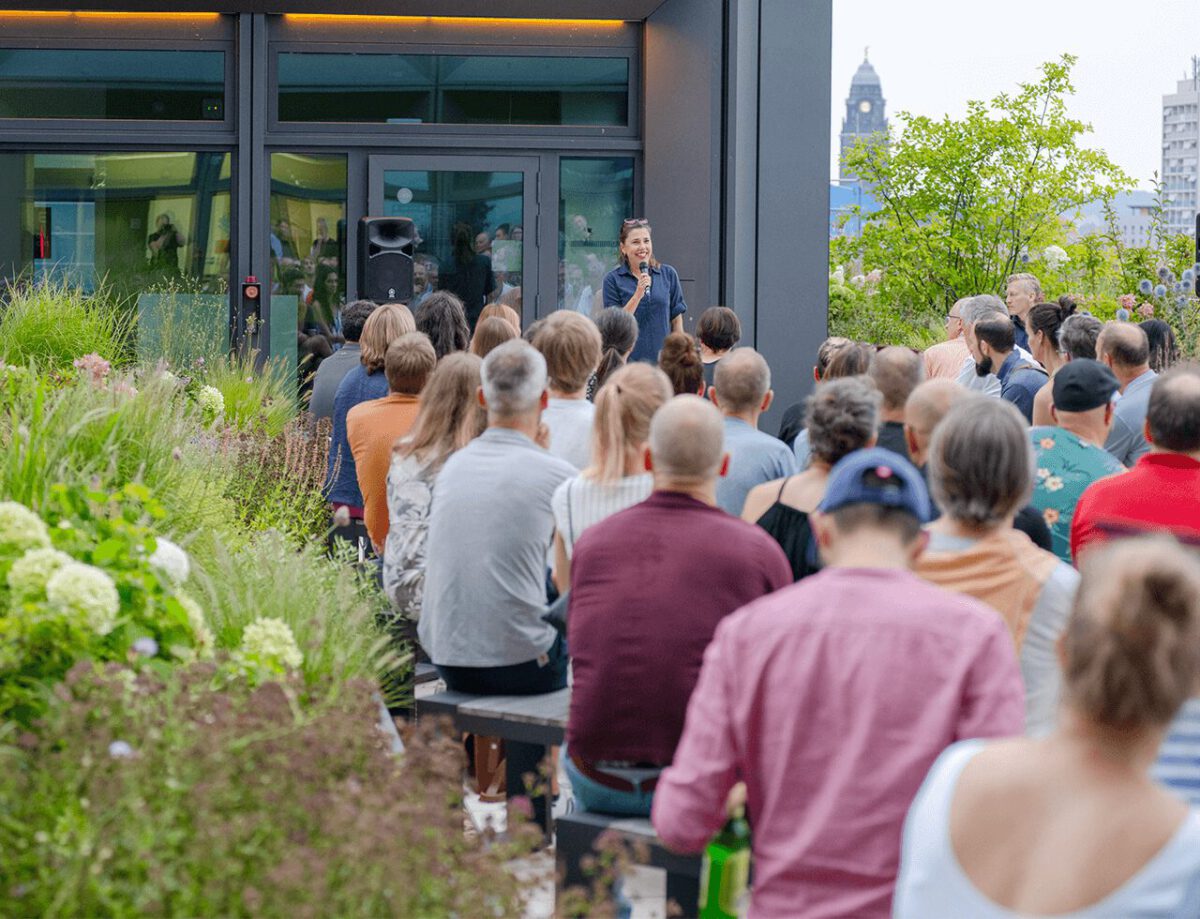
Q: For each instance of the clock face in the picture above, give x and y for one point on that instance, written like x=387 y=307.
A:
x=864 y=106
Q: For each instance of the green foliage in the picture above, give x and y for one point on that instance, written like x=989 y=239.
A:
x=964 y=202
x=857 y=312
x=256 y=398
x=51 y=324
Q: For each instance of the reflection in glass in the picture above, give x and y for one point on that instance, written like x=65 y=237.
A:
x=453 y=89
x=595 y=195
x=470 y=237
x=143 y=85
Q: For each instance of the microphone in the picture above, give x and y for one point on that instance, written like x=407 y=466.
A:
x=644 y=268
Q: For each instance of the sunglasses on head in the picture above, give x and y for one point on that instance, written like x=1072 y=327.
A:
x=635 y=222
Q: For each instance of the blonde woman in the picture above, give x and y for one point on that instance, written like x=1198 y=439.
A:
x=449 y=419
x=363 y=382
x=616 y=478
x=491 y=333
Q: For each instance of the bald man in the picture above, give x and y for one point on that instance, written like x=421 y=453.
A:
x=1125 y=350
x=896 y=372
x=648 y=586
x=742 y=391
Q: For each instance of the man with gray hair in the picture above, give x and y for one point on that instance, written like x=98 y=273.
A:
x=978 y=309
x=490 y=527
x=742 y=391
x=1124 y=348
x=648 y=587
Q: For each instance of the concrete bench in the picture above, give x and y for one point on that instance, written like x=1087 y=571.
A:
x=424 y=673
x=575 y=839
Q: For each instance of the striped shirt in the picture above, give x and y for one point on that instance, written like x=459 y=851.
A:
x=578 y=503
x=1178 y=765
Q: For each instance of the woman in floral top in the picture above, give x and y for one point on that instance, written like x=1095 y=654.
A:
x=450 y=417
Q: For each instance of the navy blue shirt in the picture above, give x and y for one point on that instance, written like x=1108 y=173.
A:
x=1019 y=383
x=341 y=478
x=662 y=303
x=1020 y=335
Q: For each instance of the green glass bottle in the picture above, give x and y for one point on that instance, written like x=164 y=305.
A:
x=725 y=875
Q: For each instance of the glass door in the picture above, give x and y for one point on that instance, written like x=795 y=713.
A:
x=476 y=223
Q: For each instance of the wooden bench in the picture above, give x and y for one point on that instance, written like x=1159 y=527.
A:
x=576 y=836
x=540 y=719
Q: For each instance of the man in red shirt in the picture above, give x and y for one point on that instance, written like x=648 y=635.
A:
x=1162 y=492
x=648 y=586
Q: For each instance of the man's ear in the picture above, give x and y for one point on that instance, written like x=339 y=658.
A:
x=919 y=545
x=1109 y=410
x=1146 y=432
x=1054 y=413
x=712 y=395
x=822 y=527
x=647 y=460
x=479 y=395
x=723 y=469
x=816 y=375
x=910 y=441
x=767 y=400
x=545 y=400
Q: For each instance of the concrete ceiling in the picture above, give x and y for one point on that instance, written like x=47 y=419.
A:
x=629 y=10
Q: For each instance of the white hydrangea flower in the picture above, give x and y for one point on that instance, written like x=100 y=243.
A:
x=211 y=402
x=21 y=529
x=29 y=574
x=85 y=593
x=202 y=634
x=171 y=560
x=270 y=641
x=1055 y=256
x=167 y=377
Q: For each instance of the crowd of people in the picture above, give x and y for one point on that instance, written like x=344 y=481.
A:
x=944 y=627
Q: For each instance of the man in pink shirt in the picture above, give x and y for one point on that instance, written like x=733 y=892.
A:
x=832 y=698
x=945 y=360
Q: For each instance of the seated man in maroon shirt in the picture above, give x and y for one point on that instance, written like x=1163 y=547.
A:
x=648 y=587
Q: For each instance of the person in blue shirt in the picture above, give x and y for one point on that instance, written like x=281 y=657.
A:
x=991 y=343
x=654 y=297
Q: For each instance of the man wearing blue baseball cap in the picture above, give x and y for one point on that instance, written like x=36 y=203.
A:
x=832 y=697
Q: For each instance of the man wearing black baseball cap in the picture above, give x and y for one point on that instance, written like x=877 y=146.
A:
x=1071 y=455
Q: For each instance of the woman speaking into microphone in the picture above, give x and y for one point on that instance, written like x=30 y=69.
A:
x=649 y=290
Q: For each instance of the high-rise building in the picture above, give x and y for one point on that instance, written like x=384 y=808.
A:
x=865 y=115
x=1181 y=153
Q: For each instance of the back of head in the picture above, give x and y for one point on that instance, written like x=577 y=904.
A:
x=1048 y=318
x=531 y=331
x=1173 y=414
x=513 y=299
x=982 y=306
x=850 y=360
x=383 y=326
x=502 y=311
x=354 y=316
x=1164 y=352
x=490 y=333
x=618 y=335
x=514 y=378
x=998 y=333
x=896 y=372
x=570 y=342
x=981 y=462
x=409 y=361
x=929 y=403
x=742 y=381
x=687 y=439
x=450 y=415
x=1132 y=645
x=680 y=360
x=719 y=329
x=625 y=404
x=442 y=318
x=841 y=416
x=824 y=353
x=1125 y=344
x=1077 y=336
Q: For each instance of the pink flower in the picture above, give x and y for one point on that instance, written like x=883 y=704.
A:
x=1146 y=310
x=1127 y=301
x=95 y=366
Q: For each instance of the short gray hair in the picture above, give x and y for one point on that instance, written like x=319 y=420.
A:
x=841 y=416
x=514 y=378
x=742 y=379
x=981 y=461
x=981 y=307
x=687 y=438
x=1077 y=336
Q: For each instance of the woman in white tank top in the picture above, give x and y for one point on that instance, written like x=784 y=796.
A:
x=1071 y=825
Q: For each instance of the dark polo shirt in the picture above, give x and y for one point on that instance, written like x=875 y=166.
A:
x=648 y=587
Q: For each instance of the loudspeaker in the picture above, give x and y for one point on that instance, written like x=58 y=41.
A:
x=385 y=259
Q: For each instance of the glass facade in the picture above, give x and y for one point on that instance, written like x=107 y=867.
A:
x=453 y=89
x=105 y=84
x=595 y=195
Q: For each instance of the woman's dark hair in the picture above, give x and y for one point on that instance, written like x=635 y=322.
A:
x=1164 y=352
x=441 y=317
x=680 y=360
x=1048 y=318
x=719 y=328
x=627 y=227
x=324 y=306
x=354 y=317
x=463 y=243
x=618 y=335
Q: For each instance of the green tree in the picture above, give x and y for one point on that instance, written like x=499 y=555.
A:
x=964 y=202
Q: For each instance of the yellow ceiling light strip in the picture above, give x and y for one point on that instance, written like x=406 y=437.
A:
x=319 y=18
x=101 y=14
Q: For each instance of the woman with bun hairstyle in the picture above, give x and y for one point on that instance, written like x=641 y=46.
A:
x=653 y=295
x=616 y=478
x=1042 y=324
x=680 y=360
x=1071 y=823
x=618 y=335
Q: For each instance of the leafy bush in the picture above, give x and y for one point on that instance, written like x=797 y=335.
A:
x=177 y=795
x=52 y=324
x=255 y=398
x=858 y=312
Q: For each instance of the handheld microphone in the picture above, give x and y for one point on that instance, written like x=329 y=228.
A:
x=644 y=268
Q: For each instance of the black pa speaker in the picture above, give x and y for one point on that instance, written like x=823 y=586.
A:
x=385 y=259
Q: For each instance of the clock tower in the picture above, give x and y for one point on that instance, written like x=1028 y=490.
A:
x=864 y=112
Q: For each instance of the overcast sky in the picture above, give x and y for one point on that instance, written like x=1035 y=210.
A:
x=934 y=55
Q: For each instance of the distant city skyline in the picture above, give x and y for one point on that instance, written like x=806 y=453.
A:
x=932 y=56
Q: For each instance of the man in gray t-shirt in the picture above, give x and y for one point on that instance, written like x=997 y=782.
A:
x=1124 y=348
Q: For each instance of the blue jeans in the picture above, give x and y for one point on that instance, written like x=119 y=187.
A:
x=592 y=796
x=527 y=679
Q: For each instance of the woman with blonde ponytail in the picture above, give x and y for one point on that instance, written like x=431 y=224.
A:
x=615 y=479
